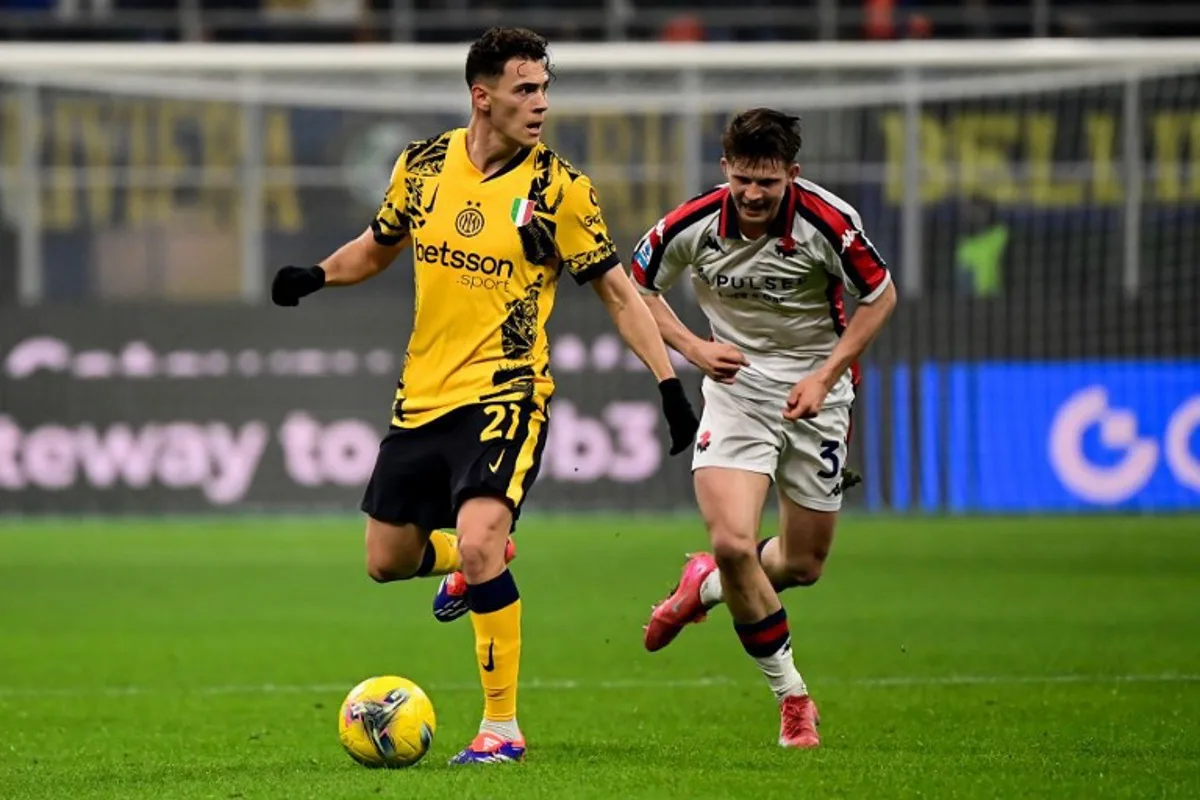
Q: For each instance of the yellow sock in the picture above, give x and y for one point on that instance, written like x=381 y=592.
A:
x=496 y=617
x=445 y=553
x=441 y=555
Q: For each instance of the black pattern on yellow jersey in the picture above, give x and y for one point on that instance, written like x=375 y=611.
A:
x=488 y=254
x=422 y=160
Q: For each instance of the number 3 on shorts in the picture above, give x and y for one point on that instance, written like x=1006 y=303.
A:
x=829 y=452
x=497 y=413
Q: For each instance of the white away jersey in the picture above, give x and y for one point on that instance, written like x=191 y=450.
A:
x=778 y=299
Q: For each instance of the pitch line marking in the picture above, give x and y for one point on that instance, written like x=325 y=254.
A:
x=566 y=685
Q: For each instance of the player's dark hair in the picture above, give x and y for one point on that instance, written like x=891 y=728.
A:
x=497 y=46
x=762 y=135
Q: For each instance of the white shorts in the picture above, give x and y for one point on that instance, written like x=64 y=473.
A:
x=805 y=458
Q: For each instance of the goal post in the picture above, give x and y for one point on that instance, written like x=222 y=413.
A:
x=613 y=57
x=908 y=129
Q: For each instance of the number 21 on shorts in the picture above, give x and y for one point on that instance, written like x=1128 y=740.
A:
x=497 y=427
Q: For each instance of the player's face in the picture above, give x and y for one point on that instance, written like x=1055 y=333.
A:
x=516 y=102
x=758 y=188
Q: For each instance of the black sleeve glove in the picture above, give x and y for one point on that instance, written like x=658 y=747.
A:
x=681 y=419
x=292 y=283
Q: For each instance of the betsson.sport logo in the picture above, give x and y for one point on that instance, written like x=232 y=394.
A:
x=479 y=271
x=1118 y=428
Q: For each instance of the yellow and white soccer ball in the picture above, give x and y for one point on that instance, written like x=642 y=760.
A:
x=387 y=721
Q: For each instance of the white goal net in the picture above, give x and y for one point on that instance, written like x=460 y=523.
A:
x=981 y=168
x=1037 y=201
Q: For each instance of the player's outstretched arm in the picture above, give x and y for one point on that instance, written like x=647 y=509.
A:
x=806 y=397
x=677 y=335
x=865 y=325
x=634 y=322
x=353 y=262
x=720 y=361
x=638 y=328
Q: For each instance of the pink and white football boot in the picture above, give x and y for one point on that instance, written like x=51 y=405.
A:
x=798 y=721
x=683 y=606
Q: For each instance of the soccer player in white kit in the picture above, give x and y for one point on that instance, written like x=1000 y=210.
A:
x=770 y=255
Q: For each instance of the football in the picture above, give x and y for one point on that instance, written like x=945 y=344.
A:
x=387 y=721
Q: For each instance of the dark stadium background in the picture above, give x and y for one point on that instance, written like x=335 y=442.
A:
x=1012 y=605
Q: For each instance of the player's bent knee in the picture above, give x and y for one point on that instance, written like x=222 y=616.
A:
x=734 y=554
x=804 y=545
x=803 y=567
x=805 y=571
x=381 y=573
x=385 y=566
x=484 y=524
x=477 y=556
x=388 y=567
x=393 y=552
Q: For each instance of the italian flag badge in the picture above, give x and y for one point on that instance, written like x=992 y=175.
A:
x=522 y=211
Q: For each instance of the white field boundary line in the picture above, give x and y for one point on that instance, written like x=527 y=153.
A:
x=564 y=685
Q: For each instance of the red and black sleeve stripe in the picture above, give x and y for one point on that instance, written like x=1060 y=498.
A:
x=645 y=269
x=860 y=261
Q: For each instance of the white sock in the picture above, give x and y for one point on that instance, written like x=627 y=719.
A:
x=711 y=592
x=780 y=671
x=507 y=729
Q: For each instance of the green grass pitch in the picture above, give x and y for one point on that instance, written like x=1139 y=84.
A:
x=1008 y=658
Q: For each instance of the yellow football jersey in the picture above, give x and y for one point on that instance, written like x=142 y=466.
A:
x=487 y=255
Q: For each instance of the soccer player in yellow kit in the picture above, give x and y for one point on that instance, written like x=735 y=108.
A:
x=494 y=218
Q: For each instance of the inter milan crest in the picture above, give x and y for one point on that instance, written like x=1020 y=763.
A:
x=469 y=221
